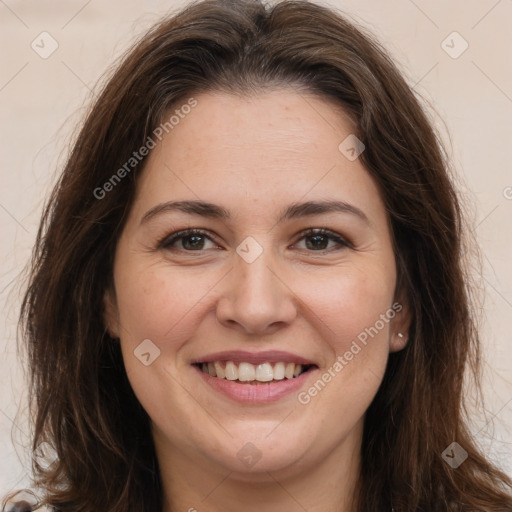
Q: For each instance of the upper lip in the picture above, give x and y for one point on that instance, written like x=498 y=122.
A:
x=242 y=356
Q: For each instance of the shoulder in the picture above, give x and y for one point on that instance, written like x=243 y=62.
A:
x=25 y=506
x=18 y=506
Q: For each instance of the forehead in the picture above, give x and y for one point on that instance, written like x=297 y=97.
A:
x=271 y=148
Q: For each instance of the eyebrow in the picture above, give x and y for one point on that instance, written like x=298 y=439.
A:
x=292 y=211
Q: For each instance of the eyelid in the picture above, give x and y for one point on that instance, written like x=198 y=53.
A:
x=169 y=239
x=326 y=232
x=182 y=233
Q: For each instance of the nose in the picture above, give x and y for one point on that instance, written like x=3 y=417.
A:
x=256 y=299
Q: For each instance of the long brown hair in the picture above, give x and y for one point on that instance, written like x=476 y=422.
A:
x=82 y=402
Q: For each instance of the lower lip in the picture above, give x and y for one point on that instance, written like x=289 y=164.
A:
x=256 y=393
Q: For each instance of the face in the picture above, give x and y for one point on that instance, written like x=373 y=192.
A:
x=291 y=263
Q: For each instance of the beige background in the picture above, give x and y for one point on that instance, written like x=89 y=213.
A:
x=42 y=99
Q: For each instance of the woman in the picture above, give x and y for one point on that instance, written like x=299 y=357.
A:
x=248 y=288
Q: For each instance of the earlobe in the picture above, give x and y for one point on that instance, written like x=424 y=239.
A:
x=110 y=313
x=399 y=334
x=399 y=343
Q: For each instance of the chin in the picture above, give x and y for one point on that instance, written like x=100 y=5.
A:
x=256 y=458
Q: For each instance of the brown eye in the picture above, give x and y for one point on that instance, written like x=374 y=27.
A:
x=194 y=240
x=317 y=240
x=188 y=240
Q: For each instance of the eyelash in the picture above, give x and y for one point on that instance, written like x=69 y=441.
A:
x=169 y=240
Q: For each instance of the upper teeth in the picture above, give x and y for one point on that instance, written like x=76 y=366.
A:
x=247 y=372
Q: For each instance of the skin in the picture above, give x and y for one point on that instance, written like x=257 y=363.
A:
x=254 y=156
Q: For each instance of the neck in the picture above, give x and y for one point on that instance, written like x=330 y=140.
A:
x=194 y=484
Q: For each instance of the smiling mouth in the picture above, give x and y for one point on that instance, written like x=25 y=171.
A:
x=247 y=373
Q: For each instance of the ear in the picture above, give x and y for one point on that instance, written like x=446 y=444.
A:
x=400 y=326
x=110 y=312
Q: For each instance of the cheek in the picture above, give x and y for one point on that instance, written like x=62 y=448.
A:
x=349 y=301
x=355 y=309
x=164 y=303
x=155 y=301
x=159 y=303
